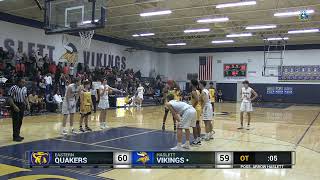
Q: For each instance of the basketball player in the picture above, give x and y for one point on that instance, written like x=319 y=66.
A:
x=104 y=101
x=246 y=105
x=176 y=91
x=195 y=97
x=69 y=104
x=86 y=106
x=185 y=115
x=207 y=112
x=168 y=89
x=140 y=91
x=212 y=92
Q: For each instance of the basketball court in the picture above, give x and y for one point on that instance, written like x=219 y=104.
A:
x=295 y=128
x=275 y=45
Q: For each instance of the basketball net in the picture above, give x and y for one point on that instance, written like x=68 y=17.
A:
x=86 y=37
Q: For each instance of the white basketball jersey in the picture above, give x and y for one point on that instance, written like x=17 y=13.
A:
x=105 y=94
x=140 y=90
x=206 y=97
x=74 y=91
x=246 y=94
x=179 y=106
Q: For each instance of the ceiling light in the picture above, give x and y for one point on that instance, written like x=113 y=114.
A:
x=147 y=34
x=261 y=26
x=239 y=35
x=243 y=3
x=156 y=13
x=87 y=22
x=143 y=34
x=177 y=44
x=196 y=30
x=222 y=41
x=276 y=38
x=210 y=20
x=293 y=13
x=303 y=31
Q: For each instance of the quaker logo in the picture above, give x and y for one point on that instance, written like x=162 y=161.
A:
x=104 y=59
x=71 y=54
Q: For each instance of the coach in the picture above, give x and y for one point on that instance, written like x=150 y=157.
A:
x=18 y=102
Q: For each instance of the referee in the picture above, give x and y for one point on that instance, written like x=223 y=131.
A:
x=18 y=102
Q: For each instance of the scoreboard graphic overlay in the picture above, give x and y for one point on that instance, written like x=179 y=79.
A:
x=235 y=70
x=162 y=159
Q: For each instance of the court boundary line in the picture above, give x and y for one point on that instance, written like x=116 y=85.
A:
x=305 y=132
x=122 y=137
x=77 y=142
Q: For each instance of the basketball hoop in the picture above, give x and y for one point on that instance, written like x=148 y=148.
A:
x=86 y=37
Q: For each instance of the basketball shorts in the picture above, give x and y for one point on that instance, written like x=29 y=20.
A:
x=103 y=104
x=207 y=112
x=71 y=109
x=246 y=107
x=198 y=113
x=188 y=119
x=140 y=96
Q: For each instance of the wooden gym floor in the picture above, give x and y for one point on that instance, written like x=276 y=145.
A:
x=289 y=127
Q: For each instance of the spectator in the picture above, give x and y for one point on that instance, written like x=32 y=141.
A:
x=50 y=103
x=71 y=70
x=58 y=99
x=66 y=69
x=62 y=84
x=18 y=56
x=40 y=63
x=48 y=82
x=34 y=102
x=220 y=96
x=42 y=86
x=42 y=104
x=52 y=68
x=2 y=53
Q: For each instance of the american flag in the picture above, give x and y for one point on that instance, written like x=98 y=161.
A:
x=205 y=67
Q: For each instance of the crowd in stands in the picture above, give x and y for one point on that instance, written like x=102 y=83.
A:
x=47 y=80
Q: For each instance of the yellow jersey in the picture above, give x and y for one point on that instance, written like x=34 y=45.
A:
x=127 y=99
x=86 y=103
x=212 y=93
x=176 y=94
x=198 y=106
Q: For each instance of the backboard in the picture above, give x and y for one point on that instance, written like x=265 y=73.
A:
x=70 y=16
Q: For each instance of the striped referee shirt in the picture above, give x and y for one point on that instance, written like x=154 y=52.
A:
x=18 y=94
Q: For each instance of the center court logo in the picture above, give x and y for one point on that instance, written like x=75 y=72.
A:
x=40 y=158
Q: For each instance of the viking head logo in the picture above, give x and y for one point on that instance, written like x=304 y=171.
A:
x=71 y=54
x=144 y=158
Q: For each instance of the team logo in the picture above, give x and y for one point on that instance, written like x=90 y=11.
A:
x=40 y=158
x=71 y=54
x=143 y=157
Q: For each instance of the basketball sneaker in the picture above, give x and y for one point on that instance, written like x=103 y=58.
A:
x=73 y=131
x=196 y=142
x=186 y=146
x=163 y=127
x=177 y=148
x=64 y=131
x=248 y=127
x=81 y=129
x=88 y=129
x=241 y=127
x=211 y=134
